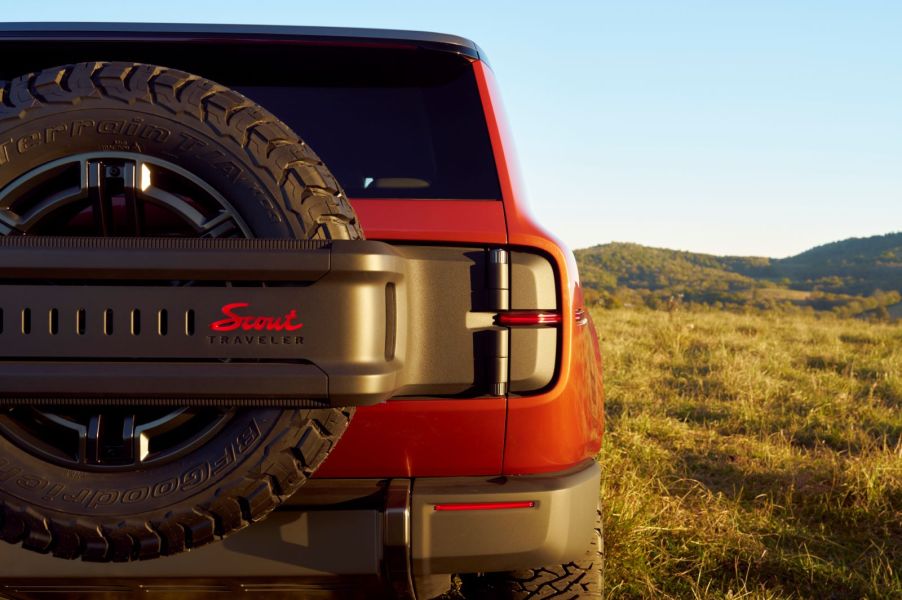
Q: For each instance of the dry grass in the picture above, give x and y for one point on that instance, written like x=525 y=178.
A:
x=782 y=294
x=751 y=456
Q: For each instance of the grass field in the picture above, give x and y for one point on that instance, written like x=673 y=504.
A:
x=751 y=456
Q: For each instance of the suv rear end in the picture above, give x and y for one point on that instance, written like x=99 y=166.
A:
x=481 y=460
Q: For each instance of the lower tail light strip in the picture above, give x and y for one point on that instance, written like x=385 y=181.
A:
x=485 y=505
x=526 y=318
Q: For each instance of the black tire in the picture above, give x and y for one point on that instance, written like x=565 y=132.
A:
x=578 y=580
x=280 y=189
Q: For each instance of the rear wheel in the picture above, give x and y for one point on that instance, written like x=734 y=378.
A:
x=577 y=580
x=121 y=149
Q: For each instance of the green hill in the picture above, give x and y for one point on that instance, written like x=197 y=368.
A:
x=852 y=266
x=857 y=276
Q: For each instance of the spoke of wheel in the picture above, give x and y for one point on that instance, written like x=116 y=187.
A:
x=128 y=439
x=101 y=200
x=51 y=203
x=23 y=185
x=93 y=441
x=114 y=439
x=64 y=424
x=134 y=209
x=144 y=434
x=175 y=203
x=9 y=222
x=219 y=226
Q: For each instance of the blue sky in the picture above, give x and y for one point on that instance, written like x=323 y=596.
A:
x=760 y=127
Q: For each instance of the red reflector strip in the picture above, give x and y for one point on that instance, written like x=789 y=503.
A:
x=523 y=318
x=486 y=505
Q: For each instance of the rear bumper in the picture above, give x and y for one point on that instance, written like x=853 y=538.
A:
x=555 y=529
x=379 y=534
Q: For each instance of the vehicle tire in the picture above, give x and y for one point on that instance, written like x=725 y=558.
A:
x=580 y=579
x=236 y=171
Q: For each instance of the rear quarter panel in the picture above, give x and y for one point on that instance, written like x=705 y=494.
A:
x=542 y=433
x=562 y=427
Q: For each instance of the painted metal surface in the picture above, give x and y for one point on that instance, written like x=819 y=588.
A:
x=436 y=438
x=451 y=221
x=563 y=427
x=542 y=433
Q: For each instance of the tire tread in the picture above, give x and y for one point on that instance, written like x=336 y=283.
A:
x=308 y=190
x=576 y=580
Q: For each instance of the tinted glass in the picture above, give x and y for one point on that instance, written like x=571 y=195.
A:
x=415 y=138
x=391 y=122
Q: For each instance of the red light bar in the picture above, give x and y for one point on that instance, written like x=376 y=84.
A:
x=485 y=505
x=524 y=318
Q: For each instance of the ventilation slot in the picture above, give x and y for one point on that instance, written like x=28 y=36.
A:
x=189 y=322
x=80 y=321
x=54 y=321
x=162 y=322
x=108 y=321
x=26 y=321
x=136 y=322
x=1 y=320
x=391 y=314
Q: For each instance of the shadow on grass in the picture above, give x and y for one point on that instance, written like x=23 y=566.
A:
x=697 y=381
x=844 y=368
x=817 y=534
x=702 y=414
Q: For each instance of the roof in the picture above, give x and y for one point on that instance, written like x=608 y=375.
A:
x=200 y=32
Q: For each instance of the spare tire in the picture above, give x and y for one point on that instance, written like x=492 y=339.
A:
x=129 y=149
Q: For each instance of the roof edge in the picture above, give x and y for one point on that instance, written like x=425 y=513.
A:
x=101 y=30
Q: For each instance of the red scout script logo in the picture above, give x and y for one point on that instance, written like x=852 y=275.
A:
x=238 y=323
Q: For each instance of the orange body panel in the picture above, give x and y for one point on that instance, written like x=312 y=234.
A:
x=423 y=438
x=563 y=427
x=448 y=221
x=543 y=433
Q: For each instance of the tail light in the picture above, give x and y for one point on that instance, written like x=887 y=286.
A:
x=527 y=318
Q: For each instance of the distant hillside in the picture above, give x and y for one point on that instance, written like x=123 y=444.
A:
x=857 y=276
x=852 y=266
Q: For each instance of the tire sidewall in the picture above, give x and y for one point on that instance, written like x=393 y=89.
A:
x=276 y=187
x=53 y=133
x=240 y=446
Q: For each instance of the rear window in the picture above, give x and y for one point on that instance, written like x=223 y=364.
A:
x=389 y=122
x=414 y=133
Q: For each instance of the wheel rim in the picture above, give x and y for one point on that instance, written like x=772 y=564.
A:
x=114 y=194
x=107 y=194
